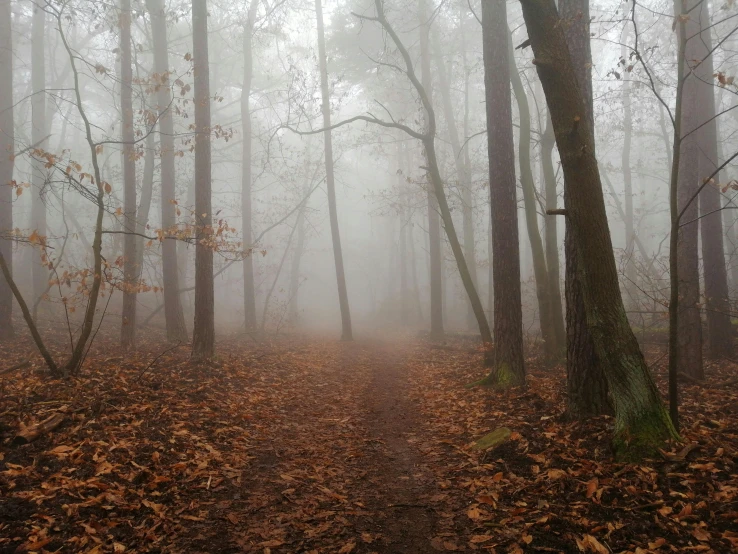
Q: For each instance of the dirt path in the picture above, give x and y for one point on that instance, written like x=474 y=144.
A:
x=395 y=466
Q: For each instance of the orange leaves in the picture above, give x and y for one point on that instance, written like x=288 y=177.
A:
x=588 y=543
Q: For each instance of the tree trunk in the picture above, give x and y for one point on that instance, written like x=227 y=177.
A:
x=508 y=369
x=39 y=271
x=300 y=246
x=719 y=328
x=462 y=175
x=249 y=295
x=346 y=332
x=586 y=382
x=203 y=335
x=130 y=274
x=630 y=268
x=641 y=422
x=175 y=322
x=689 y=327
x=7 y=151
x=551 y=347
x=144 y=206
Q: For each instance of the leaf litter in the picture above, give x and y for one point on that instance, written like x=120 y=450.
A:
x=311 y=445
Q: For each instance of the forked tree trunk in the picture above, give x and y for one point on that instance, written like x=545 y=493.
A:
x=203 y=334
x=7 y=151
x=641 y=421
x=249 y=294
x=39 y=271
x=173 y=314
x=346 y=331
x=586 y=382
x=508 y=369
x=719 y=329
x=130 y=285
x=553 y=349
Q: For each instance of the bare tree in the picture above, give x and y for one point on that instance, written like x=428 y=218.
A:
x=7 y=157
x=203 y=334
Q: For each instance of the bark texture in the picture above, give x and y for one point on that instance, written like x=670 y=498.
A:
x=203 y=334
x=641 y=421
x=508 y=369
x=586 y=383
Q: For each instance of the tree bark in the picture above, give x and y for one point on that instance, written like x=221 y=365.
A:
x=689 y=327
x=346 y=331
x=641 y=422
x=39 y=271
x=508 y=369
x=130 y=274
x=173 y=314
x=249 y=294
x=719 y=329
x=7 y=151
x=551 y=347
x=203 y=335
x=586 y=382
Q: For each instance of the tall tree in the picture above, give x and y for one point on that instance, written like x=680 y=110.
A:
x=508 y=366
x=173 y=314
x=552 y=324
x=689 y=327
x=641 y=421
x=434 y=224
x=7 y=150
x=719 y=328
x=346 y=332
x=130 y=273
x=249 y=294
x=630 y=273
x=40 y=274
x=203 y=334
x=586 y=383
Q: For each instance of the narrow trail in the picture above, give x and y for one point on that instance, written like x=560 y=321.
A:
x=395 y=467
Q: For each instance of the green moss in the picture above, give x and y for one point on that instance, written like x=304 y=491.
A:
x=493 y=439
x=501 y=377
x=642 y=437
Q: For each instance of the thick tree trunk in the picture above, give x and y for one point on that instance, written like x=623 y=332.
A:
x=203 y=335
x=173 y=314
x=249 y=295
x=130 y=273
x=7 y=151
x=346 y=331
x=641 y=422
x=586 y=383
x=551 y=347
x=689 y=327
x=39 y=271
x=719 y=328
x=508 y=369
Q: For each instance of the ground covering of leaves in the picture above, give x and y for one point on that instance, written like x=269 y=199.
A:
x=305 y=444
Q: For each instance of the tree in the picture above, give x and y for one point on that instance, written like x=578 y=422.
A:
x=346 y=332
x=508 y=368
x=173 y=314
x=630 y=273
x=586 y=382
x=641 y=421
x=203 y=335
x=719 y=328
x=249 y=294
x=551 y=321
x=40 y=276
x=130 y=273
x=7 y=156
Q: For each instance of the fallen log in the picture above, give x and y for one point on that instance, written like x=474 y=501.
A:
x=32 y=432
x=21 y=365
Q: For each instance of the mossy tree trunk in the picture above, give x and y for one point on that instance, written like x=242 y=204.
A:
x=642 y=423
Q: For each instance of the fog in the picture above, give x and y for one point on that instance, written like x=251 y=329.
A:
x=70 y=76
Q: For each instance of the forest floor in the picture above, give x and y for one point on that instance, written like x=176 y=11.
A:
x=311 y=445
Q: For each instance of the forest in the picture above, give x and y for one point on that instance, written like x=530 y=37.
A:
x=369 y=276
